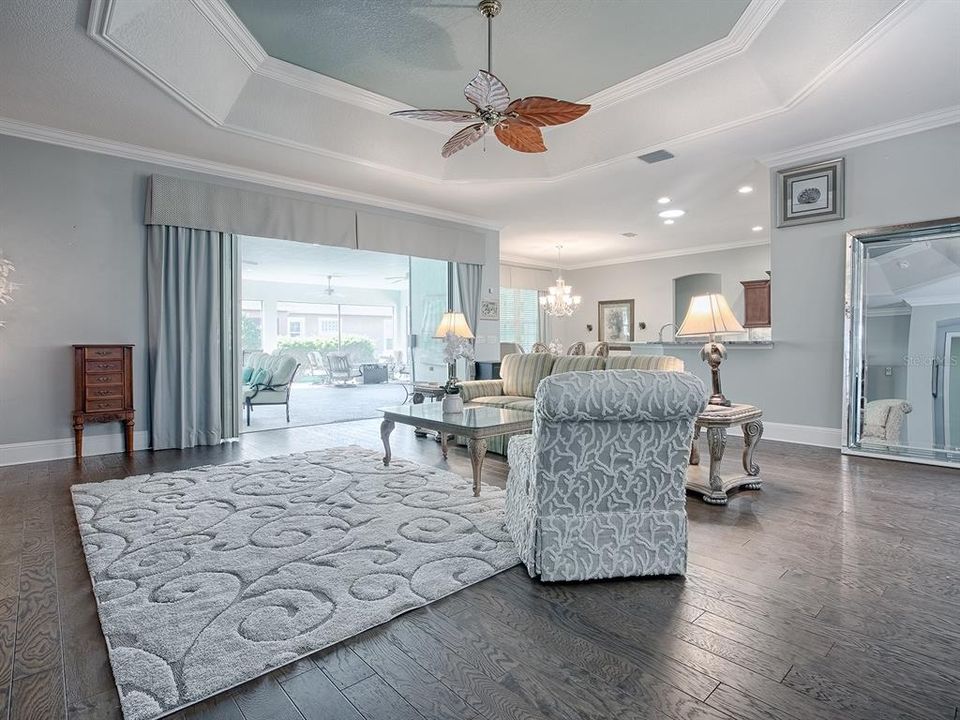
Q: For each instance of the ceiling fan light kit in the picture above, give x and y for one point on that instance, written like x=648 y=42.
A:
x=516 y=124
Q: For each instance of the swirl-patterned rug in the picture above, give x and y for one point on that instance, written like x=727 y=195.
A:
x=208 y=577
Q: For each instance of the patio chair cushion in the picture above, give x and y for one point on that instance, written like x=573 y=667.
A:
x=260 y=376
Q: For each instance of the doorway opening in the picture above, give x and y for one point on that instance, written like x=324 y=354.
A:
x=359 y=325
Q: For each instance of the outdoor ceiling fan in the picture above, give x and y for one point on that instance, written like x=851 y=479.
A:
x=329 y=290
x=516 y=124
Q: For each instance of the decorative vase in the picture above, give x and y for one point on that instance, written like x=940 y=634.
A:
x=452 y=404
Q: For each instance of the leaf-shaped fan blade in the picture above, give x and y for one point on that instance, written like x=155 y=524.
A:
x=486 y=89
x=543 y=111
x=468 y=136
x=520 y=136
x=439 y=115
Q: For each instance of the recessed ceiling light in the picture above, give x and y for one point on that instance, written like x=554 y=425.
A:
x=757 y=228
x=664 y=200
x=745 y=189
x=675 y=213
x=668 y=222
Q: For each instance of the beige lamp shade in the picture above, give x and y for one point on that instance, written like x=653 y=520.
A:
x=709 y=315
x=453 y=322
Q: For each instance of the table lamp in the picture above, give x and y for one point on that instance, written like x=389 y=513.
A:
x=710 y=315
x=453 y=326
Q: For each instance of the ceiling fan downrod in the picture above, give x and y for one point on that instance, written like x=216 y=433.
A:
x=489 y=9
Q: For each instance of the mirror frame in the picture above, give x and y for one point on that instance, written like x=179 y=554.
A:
x=853 y=322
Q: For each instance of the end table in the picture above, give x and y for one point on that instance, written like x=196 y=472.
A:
x=716 y=419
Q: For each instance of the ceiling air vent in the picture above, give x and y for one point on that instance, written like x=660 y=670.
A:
x=629 y=234
x=656 y=156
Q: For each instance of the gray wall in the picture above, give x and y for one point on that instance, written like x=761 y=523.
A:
x=650 y=284
x=799 y=381
x=907 y=179
x=72 y=223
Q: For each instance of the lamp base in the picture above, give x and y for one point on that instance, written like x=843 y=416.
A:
x=713 y=353
x=719 y=400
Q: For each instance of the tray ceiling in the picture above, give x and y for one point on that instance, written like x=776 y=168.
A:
x=184 y=85
x=422 y=52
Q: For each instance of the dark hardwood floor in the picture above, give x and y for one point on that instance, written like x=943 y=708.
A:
x=833 y=593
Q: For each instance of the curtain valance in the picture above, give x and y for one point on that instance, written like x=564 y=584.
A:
x=205 y=206
x=394 y=234
x=179 y=202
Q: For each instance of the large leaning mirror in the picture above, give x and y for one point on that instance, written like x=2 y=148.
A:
x=902 y=350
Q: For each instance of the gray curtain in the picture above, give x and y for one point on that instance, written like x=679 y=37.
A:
x=194 y=338
x=469 y=279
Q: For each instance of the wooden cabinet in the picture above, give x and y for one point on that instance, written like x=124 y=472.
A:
x=756 y=303
x=103 y=389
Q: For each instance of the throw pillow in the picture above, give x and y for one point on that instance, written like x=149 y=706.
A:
x=261 y=377
x=247 y=374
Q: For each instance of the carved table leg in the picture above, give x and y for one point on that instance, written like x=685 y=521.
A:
x=386 y=427
x=443 y=444
x=78 y=436
x=717 y=441
x=752 y=432
x=478 y=449
x=695 y=447
x=128 y=435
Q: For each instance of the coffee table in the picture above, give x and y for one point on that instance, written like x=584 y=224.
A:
x=476 y=423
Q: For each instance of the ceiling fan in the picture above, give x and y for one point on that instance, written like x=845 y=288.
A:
x=329 y=290
x=516 y=124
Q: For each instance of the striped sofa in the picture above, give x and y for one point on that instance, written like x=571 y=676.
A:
x=521 y=374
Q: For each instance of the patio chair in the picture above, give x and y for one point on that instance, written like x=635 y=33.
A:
x=340 y=369
x=272 y=386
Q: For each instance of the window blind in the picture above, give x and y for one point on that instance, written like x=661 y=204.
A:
x=519 y=317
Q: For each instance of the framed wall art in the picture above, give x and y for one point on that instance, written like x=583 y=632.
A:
x=810 y=193
x=489 y=309
x=615 y=321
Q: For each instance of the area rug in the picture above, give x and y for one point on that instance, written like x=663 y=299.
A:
x=208 y=577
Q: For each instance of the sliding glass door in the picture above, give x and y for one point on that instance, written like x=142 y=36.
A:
x=429 y=299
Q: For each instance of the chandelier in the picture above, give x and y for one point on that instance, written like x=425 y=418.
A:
x=559 y=300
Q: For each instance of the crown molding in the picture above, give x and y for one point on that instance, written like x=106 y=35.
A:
x=314 y=82
x=222 y=17
x=877 y=133
x=522 y=262
x=78 y=141
x=98 y=22
x=754 y=18
x=659 y=255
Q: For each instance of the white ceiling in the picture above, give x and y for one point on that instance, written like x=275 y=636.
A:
x=185 y=84
x=422 y=52
x=287 y=261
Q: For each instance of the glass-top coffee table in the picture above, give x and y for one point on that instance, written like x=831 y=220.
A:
x=476 y=423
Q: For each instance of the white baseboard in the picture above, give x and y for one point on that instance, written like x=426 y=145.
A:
x=41 y=450
x=800 y=434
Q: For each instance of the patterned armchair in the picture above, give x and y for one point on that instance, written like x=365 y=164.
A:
x=597 y=490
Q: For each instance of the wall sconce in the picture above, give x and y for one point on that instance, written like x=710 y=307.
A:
x=589 y=327
x=642 y=325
